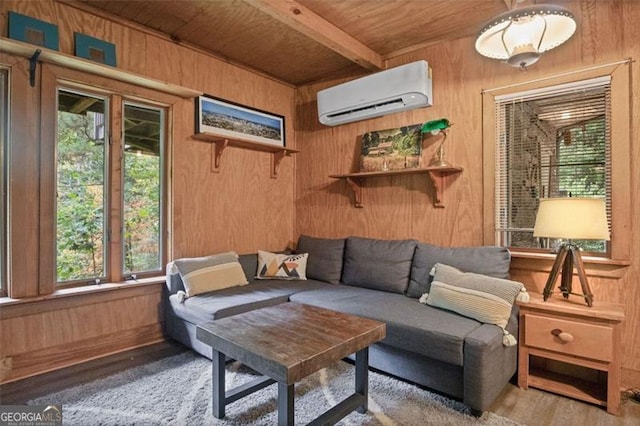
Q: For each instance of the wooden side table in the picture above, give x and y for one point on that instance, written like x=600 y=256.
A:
x=577 y=335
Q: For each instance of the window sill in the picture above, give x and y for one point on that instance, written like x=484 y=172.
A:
x=595 y=266
x=84 y=291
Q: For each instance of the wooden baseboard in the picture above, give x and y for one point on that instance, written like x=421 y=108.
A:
x=28 y=364
x=630 y=378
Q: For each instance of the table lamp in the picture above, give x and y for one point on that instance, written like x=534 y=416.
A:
x=434 y=127
x=571 y=219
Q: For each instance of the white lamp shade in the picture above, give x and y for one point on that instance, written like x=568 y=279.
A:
x=572 y=219
x=534 y=28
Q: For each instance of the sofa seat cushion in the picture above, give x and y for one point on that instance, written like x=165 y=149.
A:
x=236 y=300
x=411 y=326
x=337 y=297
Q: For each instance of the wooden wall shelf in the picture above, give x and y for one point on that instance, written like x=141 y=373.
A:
x=73 y=62
x=222 y=142
x=437 y=175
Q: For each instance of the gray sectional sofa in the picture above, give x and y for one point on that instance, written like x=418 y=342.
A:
x=382 y=280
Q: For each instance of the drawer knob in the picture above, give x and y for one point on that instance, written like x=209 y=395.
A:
x=562 y=335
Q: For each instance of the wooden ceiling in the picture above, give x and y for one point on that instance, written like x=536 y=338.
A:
x=302 y=41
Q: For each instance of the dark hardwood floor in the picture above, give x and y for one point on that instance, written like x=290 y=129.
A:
x=531 y=407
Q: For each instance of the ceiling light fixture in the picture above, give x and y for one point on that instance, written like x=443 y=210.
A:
x=520 y=36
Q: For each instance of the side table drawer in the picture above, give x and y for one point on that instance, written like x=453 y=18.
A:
x=569 y=337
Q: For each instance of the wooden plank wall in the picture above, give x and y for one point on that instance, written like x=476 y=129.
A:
x=401 y=207
x=241 y=208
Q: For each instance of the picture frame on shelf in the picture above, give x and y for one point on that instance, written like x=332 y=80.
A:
x=391 y=149
x=94 y=49
x=33 y=31
x=234 y=121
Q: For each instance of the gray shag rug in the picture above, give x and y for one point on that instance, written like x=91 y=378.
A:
x=177 y=391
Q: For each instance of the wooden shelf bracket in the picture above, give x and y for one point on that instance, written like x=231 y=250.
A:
x=218 y=148
x=276 y=158
x=437 y=179
x=357 y=191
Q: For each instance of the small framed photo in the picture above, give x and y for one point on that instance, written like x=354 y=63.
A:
x=95 y=49
x=31 y=30
x=228 y=119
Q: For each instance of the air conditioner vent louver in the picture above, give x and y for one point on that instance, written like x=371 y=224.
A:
x=398 y=89
x=395 y=102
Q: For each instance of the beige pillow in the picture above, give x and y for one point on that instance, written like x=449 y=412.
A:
x=483 y=298
x=272 y=266
x=210 y=273
x=508 y=290
x=481 y=306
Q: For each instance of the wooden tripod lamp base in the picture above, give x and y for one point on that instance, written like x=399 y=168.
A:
x=571 y=219
x=568 y=257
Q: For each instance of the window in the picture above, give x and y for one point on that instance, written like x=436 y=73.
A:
x=108 y=196
x=142 y=171
x=4 y=135
x=552 y=142
x=81 y=192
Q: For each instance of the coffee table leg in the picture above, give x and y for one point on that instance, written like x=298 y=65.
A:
x=362 y=378
x=218 y=392
x=286 y=407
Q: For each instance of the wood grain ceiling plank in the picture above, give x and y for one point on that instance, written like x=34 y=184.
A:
x=244 y=34
x=297 y=16
x=393 y=27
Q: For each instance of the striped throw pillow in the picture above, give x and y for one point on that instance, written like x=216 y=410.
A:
x=508 y=290
x=481 y=306
x=210 y=273
x=483 y=298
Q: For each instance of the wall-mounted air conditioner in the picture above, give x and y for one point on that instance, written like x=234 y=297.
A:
x=397 y=89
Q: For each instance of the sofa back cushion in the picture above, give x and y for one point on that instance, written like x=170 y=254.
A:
x=325 y=257
x=249 y=263
x=378 y=264
x=486 y=260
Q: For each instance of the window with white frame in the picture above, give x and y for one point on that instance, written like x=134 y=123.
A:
x=551 y=142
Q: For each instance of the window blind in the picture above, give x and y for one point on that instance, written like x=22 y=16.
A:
x=551 y=142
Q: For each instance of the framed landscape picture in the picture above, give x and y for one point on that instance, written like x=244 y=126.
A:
x=391 y=149
x=227 y=119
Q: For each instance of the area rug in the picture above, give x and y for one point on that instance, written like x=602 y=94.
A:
x=177 y=391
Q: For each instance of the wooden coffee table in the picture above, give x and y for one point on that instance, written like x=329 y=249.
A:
x=286 y=343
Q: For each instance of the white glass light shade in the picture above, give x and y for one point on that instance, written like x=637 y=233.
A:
x=519 y=36
x=572 y=219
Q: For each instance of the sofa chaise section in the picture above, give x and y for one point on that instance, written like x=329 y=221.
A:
x=183 y=315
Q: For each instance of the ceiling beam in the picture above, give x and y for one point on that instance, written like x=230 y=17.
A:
x=303 y=20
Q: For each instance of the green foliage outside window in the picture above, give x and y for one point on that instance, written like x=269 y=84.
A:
x=82 y=190
x=80 y=199
x=141 y=213
x=582 y=170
